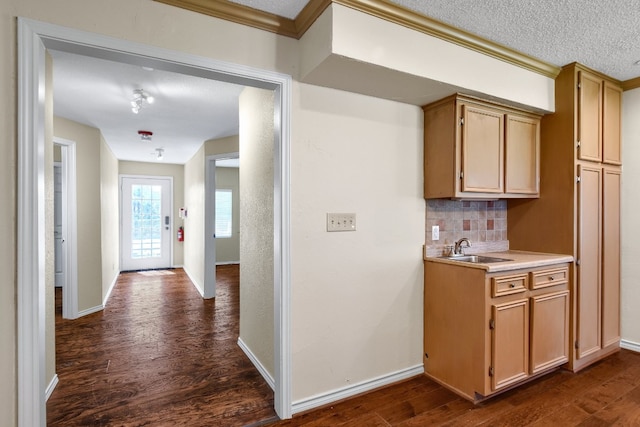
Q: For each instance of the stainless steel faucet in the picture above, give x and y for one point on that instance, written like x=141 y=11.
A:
x=458 y=249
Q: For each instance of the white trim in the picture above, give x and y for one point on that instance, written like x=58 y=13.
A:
x=209 y=226
x=70 y=216
x=31 y=230
x=355 y=389
x=194 y=282
x=630 y=345
x=52 y=386
x=32 y=38
x=228 y=263
x=256 y=362
x=91 y=310
x=105 y=300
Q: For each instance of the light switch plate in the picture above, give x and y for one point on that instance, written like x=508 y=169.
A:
x=341 y=222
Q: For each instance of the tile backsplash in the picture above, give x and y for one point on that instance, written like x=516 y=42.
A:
x=484 y=223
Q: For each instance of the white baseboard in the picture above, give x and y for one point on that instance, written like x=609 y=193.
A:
x=630 y=345
x=194 y=282
x=355 y=389
x=259 y=366
x=108 y=295
x=52 y=386
x=228 y=263
x=91 y=310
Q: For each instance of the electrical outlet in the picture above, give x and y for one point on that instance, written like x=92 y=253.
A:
x=435 y=232
x=341 y=222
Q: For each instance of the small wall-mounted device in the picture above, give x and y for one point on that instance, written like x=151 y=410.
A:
x=182 y=213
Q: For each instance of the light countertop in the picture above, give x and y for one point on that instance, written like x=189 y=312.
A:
x=518 y=260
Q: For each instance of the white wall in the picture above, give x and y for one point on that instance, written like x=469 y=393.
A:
x=194 y=186
x=256 y=219
x=88 y=145
x=356 y=296
x=110 y=213
x=630 y=250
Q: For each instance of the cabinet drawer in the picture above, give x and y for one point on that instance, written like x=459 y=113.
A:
x=507 y=285
x=551 y=277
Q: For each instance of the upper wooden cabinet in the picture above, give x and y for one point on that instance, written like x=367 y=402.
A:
x=477 y=149
x=611 y=124
x=598 y=118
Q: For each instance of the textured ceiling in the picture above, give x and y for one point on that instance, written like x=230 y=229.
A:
x=603 y=35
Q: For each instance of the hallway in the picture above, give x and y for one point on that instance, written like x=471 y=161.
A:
x=158 y=355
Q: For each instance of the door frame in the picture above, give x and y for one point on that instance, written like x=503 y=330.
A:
x=70 y=225
x=34 y=38
x=209 y=226
x=169 y=178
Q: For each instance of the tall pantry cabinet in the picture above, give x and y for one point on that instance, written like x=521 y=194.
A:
x=578 y=212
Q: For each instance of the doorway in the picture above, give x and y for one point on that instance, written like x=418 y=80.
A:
x=33 y=39
x=219 y=228
x=66 y=249
x=145 y=223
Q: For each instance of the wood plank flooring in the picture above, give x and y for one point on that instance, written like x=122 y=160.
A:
x=158 y=355
x=605 y=394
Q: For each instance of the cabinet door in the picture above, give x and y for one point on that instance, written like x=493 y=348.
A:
x=522 y=154
x=509 y=343
x=611 y=123
x=588 y=331
x=549 y=330
x=482 y=150
x=611 y=256
x=589 y=117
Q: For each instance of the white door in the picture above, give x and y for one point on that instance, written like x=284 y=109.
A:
x=59 y=252
x=146 y=223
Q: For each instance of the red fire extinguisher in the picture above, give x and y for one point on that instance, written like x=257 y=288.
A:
x=180 y=234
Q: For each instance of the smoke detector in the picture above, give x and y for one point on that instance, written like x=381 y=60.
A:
x=145 y=135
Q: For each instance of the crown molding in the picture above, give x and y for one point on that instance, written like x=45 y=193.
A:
x=631 y=84
x=382 y=9
x=239 y=14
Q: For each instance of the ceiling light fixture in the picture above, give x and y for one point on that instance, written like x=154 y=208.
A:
x=145 y=135
x=140 y=98
x=159 y=154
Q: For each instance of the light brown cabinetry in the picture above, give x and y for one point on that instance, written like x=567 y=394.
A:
x=598 y=118
x=578 y=212
x=486 y=332
x=477 y=149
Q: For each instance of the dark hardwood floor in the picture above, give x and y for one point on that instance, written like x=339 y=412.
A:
x=158 y=355
x=605 y=394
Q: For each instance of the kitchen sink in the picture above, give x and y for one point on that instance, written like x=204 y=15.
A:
x=476 y=259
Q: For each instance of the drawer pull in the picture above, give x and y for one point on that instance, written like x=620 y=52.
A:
x=512 y=285
x=551 y=278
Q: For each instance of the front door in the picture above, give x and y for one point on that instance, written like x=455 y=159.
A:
x=146 y=223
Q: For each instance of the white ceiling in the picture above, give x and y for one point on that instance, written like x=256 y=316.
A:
x=189 y=110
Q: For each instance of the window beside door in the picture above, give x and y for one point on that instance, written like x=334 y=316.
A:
x=224 y=213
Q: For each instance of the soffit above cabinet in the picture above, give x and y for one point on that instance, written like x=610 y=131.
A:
x=352 y=51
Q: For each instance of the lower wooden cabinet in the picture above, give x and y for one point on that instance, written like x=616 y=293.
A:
x=487 y=332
